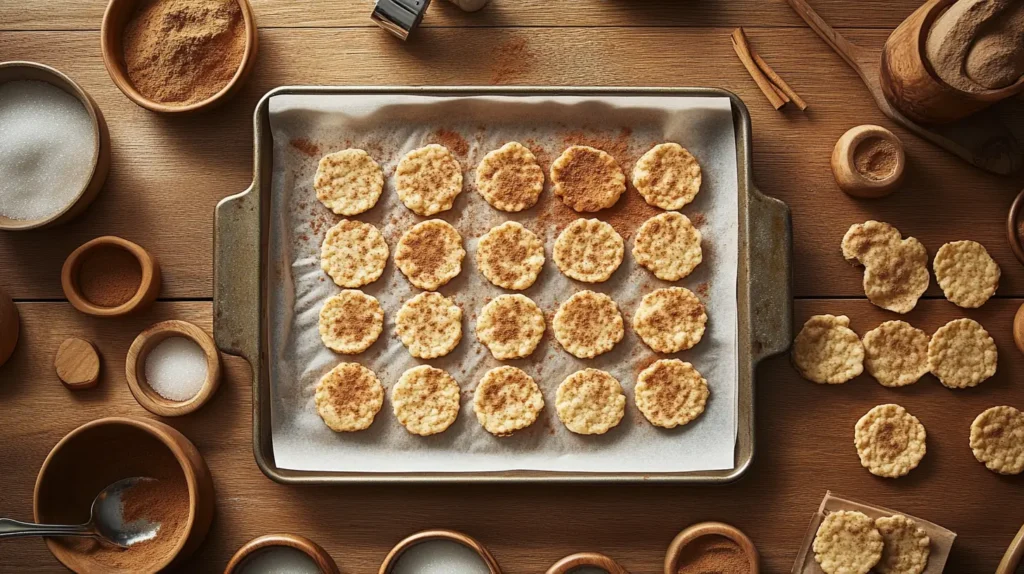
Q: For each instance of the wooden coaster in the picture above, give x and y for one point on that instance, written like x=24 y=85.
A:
x=77 y=364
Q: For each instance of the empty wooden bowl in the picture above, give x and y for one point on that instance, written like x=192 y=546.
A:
x=10 y=327
x=850 y=177
x=676 y=549
x=117 y=16
x=316 y=553
x=149 y=284
x=10 y=71
x=102 y=452
x=428 y=535
x=135 y=368
x=573 y=561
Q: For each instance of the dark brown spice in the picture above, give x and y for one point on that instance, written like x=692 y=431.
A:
x=511 y=60
x=713 y=554
x=875 y=158
x=451 y=140
x=305 y=147
x=109 y=276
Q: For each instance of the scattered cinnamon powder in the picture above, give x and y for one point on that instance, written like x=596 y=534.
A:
x=451 y=140
x=305 y=147
x=109 y=276
x=713 y=554
x=511 y=60
x=875 y=158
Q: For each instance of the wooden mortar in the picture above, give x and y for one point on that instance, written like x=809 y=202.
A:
x=844 y=167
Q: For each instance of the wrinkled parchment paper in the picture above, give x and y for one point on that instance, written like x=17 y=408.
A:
x=308 y=126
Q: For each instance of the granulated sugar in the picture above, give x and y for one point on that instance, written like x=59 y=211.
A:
x=440 y=557
x=46 y=149
x=176 y=368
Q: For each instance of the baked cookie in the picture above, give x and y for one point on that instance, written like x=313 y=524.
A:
x=669 y=245
x=588 y=250
x=588 y=324
x=428 y=179
x=587 y=179
x=510 y=256
x=429 y=325
x=510 y=326
x=350 y=322
x=507 y=400
x=348 y=397
x=430 y=254
x=869 y=242
x=509 y=178
x=847 y=542
x=353 y=253
x=670 y=393
x=896 y=354
x=895 y=269
x=667 y=176
x=890 y=441
x=967 y=273
x=997 y=439
x=827 y=351
x=670 y=320
x=962 y=354
x=906 y=546
x=590 y=402
x=426 y=400
x=348 y=182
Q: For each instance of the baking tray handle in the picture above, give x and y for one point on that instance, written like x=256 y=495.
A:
x=771 y=299
x=236 y=274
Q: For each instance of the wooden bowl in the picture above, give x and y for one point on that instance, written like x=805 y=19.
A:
x=135 y=368
x=149 y=287
x=1014 y=227
x=574 y=561
x=101 y=452
x=844 y=168
x=117 y=16
x=426 y=535
x=316 y=553
x=9 y=327
x=684 y=538
x=101 y=136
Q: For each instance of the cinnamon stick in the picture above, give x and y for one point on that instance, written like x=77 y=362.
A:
x=779 y=82
x=742 y=48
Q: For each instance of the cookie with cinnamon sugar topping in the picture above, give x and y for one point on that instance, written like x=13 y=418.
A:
x=509 y=178
x=587 y=179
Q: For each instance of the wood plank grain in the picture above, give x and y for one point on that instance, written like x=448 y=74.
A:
x=87 y=14
x=169 y=173
x=804 y=447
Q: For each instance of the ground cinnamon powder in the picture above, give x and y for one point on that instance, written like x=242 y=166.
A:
x=109 y=276
x=713 y=554
x=875 y=158
x=183 y=51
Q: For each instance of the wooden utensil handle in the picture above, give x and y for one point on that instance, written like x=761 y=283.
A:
x=852 y=53
x=16 y=529
x=1012 y=559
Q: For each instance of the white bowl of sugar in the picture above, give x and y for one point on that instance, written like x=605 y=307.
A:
x=173 y=368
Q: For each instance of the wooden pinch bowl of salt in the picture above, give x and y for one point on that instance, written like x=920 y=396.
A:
x=173 y=368
x=675 y=556
x=441 y=560
x=80 y=280
x=70 y=189
x=281 y=553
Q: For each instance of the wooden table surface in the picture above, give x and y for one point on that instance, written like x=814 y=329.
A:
x=168 y=174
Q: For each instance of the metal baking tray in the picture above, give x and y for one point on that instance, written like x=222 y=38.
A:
x=241 y=286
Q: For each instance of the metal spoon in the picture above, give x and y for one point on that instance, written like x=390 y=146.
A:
x=106 y=520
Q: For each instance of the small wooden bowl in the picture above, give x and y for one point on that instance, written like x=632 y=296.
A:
x=101 y=136
x=844 y=168
x=574 y=561
x=149 y=287
x=320 y=556
x=684 y=538
x=426 y=535
x=135 y=368
x=117 y=16
x=10 y=327
x=1013 y=228
x=90 y=457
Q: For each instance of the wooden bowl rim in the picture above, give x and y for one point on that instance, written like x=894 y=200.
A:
x=139 y=351
x=1011 y=227
x=113 y=62
x=168 y=436
x=69 y=280
x=852 y=142
x=573 y=561
x=695 y=531
x=316 y=552
x=438 y=534
x=64 y=82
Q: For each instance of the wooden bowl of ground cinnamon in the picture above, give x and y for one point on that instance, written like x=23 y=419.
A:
x=107 y=450
x=712 y=547
x=179 y=56
x=110 y=277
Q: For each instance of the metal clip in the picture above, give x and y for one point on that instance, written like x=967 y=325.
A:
x=399 y=17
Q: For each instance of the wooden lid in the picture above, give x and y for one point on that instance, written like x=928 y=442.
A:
x=77 y=364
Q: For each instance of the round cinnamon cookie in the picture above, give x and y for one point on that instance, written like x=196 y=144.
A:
x=895 y=269
x=670 y=393
x=430 y=254
x=510 y=256
x=587 y=179
x=507 y=400
x=847 y=542
x=890 y=441
x=348 y=397
x=510 y=326
x=588 y=250
x=590 y=402
x=588 y=324
x=967 y=273
x=906 y=546
x=429 y=325
x=348 y=182
x=426 y=400
x=353 y=253
x=667 y=176
x=509 y=178
x=670 y=320
x=962 y=354
x=896 y=354
x=350 y=322
x=428 y=179
x=669 y=245
x=997 y=439
x=827 y=351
